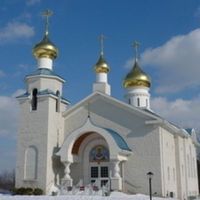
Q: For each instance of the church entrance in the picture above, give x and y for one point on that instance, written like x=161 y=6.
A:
x=99 y=166
x=94 y=157
x=99 y=175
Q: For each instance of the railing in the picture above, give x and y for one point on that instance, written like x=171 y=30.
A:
x=90 y=189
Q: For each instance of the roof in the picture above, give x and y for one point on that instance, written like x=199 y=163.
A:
x=121 y=143
x=189 y=130
x=26 y=94
x=45 y=72
x=44 y=92
x=154 y=118
x=137 y=77
x=121 y=104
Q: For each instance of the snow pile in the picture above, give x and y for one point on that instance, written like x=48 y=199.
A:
x=113 y=196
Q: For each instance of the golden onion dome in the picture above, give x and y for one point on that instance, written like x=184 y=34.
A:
x=45 y=49
x=136 y=77
x=101 y=65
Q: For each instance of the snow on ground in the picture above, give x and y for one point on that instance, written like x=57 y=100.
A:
x=113 y=196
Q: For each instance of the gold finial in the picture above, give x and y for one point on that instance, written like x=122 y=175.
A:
x=102 y=38
x=136 y=46
x=47 y=13
x=45 y=48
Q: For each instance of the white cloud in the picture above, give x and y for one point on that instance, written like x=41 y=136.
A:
x=9 y=112
x=14 y=31
x=177 y=62
x=32 y=2
x=184 y=113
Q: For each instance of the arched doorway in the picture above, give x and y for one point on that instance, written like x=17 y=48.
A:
x=96 y=161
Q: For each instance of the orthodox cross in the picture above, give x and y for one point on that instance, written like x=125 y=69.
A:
x=102 y=38
x=47 y=14
x=136 y=46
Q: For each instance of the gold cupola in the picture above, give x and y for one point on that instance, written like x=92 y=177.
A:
x=136 y=77
x=45 y=48
x=101 y=65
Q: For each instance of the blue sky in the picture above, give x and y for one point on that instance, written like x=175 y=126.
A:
x=169 y=33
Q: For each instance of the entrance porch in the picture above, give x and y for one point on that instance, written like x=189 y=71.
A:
x=93 y=156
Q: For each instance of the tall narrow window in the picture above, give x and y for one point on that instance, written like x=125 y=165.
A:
x=138 y=102
x=168 y=173
x=34 y=99
x=58 y=101
x=174 y=175
x=188 y=165
x=147 y=103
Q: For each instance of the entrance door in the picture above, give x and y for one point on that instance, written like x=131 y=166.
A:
x=99 y=175
x=99 y=165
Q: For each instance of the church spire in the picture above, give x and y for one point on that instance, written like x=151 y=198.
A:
x=102 y=69
x=136 y=77
x=101 y=65
x=45 y=51
x=137 y=83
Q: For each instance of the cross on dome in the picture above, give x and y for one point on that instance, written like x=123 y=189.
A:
x=46 y=14
x=45 y=48
x=136 y=46
x=102 y=38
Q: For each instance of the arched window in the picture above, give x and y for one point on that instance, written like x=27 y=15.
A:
x=58 y=101
x=30 y=167
x=34 y=99
x=99 y=154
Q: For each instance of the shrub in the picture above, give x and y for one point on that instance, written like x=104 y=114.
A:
x=27 y=191
x=38 y=191
x=21 y=191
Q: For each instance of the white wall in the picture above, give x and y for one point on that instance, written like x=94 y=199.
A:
x=44 y=83
x=190 y=167
x=168 y=162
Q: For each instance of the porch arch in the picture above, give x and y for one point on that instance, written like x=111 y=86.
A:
x=116 y=144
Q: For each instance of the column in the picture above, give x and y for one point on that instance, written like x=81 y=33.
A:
x=67 y=180
x=116 y=180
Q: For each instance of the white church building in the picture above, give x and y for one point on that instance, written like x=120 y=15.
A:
x=100 y=140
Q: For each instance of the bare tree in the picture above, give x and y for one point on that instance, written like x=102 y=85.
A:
x=7 y=180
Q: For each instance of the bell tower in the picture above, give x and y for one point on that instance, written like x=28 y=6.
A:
x=41 y=122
